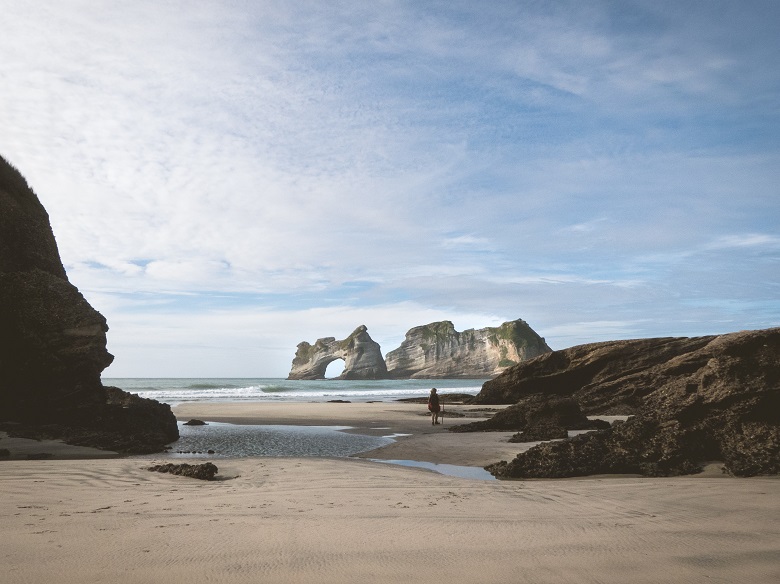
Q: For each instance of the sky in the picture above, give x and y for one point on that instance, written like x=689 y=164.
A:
x=226 y=179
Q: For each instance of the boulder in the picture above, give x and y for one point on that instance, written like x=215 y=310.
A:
x=637 y=447
x=53 y=343
x=535 y=410
x=437 y=350
x=538 y=417
x=204 y=472
x=362 y=357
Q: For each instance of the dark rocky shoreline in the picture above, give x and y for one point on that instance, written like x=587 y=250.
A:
x=692 y=401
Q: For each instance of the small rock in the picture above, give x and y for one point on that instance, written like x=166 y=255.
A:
x=195 y=422
x=205 y=471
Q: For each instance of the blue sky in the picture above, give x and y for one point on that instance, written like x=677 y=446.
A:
x=227 y=179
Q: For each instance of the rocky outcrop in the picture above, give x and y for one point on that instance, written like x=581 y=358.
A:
x=695 y=400
x=362 y=357
x=437 y=350
x=533 y=411
x=540 y=433
x=605 y=378
x=53 y=343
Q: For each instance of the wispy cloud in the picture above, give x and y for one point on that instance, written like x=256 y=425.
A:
x=752 y=240
x=569 y=163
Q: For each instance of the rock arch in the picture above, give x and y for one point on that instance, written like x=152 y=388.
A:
x=361 y=354
x=335 y=368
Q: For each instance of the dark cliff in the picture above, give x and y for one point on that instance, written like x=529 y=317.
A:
x=53 y=343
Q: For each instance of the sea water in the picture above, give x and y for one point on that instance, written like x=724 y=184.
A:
x=179 y=390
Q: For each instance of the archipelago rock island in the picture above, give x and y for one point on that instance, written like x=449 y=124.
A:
x=432 y=351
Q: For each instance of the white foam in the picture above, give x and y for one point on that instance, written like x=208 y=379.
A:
x=178 y=390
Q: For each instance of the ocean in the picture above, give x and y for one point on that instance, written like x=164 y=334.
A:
x=180 y=390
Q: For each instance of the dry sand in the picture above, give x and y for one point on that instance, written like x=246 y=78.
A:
x=345 y=520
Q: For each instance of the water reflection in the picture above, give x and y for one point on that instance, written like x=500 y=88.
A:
x=221 y=440
x=236 y=440
x=464 y=472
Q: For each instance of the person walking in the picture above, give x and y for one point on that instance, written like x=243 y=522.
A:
x=434 y=407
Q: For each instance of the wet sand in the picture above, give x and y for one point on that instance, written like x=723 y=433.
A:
x=416 y=438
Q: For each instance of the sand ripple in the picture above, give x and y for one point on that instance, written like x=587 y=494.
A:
x=321 y=520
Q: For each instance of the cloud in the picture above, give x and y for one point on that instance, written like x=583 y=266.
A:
x=250 y=342
x=748 y=240
x=569 y=163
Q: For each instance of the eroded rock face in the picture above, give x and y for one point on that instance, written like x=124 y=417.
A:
x=605 y=378
x=710 y=398
x=53 y=343
x=437 y=350
x=536 y=410
x=362 y=357
x=26 y=238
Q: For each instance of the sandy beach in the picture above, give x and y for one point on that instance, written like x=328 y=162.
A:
x=418 y=439
x=352 y=520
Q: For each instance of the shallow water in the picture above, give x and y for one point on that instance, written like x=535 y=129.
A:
x=464 y=472
x=236 y=441
x=239 y=441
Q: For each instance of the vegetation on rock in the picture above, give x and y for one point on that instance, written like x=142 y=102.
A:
x=362 y=357
x=437 y=350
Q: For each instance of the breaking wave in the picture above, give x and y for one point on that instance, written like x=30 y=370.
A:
x=274 y=390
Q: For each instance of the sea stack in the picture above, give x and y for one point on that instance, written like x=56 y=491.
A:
x=437 y=350
x=362 y=357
